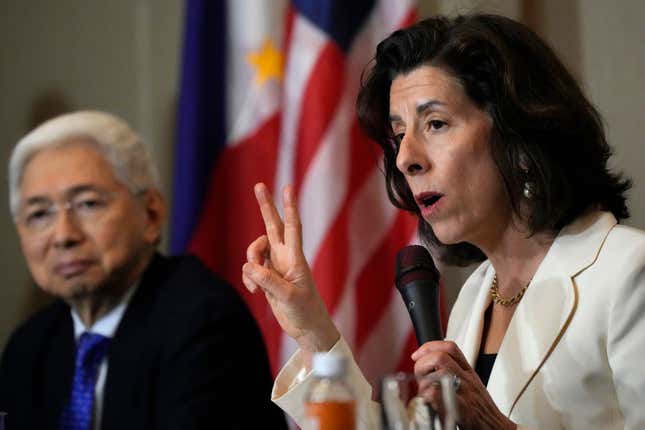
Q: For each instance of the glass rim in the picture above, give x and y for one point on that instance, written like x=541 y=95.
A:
x=399 y=376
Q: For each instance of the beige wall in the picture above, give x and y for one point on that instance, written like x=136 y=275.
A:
x=122 y=56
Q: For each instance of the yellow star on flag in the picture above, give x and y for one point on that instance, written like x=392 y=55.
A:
x=267 y=63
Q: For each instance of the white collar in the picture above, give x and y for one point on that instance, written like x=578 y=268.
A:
x=108 y=323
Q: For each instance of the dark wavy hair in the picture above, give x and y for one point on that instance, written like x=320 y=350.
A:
x=545 y=131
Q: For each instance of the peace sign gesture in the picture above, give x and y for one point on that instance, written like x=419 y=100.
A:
x=277 y=265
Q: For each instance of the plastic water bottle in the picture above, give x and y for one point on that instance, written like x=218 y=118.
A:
x=330 y=404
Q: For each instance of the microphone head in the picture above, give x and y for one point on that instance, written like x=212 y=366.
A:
x=413 y=263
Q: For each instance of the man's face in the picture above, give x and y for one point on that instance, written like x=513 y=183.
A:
x=82 y=231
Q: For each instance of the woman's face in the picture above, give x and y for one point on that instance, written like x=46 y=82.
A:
x=444 y=154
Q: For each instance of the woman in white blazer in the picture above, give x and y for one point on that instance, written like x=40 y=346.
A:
x=489 y=140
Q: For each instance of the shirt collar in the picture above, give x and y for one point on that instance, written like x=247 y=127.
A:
x=108 y=323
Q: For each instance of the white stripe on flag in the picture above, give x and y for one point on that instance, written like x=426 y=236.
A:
x=390 y=16
x=390 y=333
x=382 y=350
x=370 y=218
x=306 y=43
x=324 y=185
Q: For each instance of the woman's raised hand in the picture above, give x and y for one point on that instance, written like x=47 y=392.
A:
x=277 y=265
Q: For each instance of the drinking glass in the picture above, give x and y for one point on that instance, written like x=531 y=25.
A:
x=403 y=409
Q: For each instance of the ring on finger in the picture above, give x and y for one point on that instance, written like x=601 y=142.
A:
x=456 y=382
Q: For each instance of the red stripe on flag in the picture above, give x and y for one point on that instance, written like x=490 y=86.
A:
x=288 y=32
x=365 y=157
x=375 y=284
x=405 y=363
x=330 y=267
x=331 y=263
x=319 y=102
x=223 y=233
x=411 y=18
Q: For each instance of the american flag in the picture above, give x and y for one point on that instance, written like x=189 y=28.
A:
x=267 y=94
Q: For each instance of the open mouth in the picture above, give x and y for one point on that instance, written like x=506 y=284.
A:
x=428 y=199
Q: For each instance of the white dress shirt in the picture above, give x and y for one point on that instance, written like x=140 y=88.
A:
x=105 y=326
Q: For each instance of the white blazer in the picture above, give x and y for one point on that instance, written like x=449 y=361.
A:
x=573 y=356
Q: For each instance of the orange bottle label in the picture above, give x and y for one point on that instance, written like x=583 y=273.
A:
x=330 y=416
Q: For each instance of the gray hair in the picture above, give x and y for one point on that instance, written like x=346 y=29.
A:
x=121 y=146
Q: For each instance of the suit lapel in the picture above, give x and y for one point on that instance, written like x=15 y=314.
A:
x=470 y=320
x=539 y=321
x=544 y=314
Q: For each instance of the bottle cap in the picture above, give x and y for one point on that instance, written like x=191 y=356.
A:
x=328 y=364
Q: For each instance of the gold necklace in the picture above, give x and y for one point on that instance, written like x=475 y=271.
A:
x=499 y=300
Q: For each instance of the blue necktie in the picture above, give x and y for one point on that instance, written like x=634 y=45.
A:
x=90 y=351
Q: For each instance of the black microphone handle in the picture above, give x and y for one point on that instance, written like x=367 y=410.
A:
x=421 y=297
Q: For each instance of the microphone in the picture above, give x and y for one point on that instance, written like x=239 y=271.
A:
x=417 y=279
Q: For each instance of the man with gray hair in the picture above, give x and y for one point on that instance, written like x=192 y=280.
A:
x=137 y=340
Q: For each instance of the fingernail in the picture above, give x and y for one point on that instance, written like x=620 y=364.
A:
x=248 y=284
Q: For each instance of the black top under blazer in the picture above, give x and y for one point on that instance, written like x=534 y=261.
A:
x=186 y=355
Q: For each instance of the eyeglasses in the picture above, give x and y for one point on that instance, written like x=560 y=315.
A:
x=86 y=208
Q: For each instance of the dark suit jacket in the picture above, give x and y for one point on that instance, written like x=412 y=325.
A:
x=186 y=355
